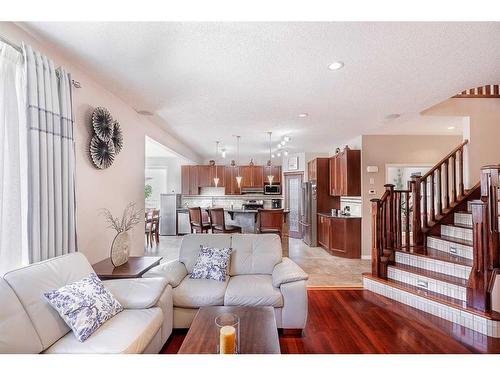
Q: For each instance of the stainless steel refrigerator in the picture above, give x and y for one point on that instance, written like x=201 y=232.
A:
x=168 y=213
x=308 y=220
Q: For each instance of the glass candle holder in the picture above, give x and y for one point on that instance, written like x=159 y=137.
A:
x=228 y=333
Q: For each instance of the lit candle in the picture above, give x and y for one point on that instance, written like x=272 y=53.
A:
x=227 y=340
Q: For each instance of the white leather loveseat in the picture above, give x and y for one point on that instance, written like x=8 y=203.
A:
x=28 y=324
x=258 y=276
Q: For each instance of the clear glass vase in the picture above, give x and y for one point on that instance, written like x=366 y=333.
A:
x=227 y=333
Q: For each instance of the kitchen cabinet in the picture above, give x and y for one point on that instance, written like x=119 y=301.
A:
x=252 y=176
x=230 y=184
x=323 y=232
x=345 y=173
x=312 y=170
x=189 y=180
x=275 y=171
x=340 y=235
x=204 y=176
x=219 y=172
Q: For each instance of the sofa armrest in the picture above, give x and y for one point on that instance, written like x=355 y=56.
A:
x=286 y=272
x=136 y=293
x=174 y=272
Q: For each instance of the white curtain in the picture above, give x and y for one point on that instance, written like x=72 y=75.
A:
x=13 y=164
x=51 y=158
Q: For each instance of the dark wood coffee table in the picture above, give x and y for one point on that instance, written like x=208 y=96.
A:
x=258 y=331
x=134 y=268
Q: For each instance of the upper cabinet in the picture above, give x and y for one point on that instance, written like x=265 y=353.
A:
x=312 y=170
x=194 y=177
x=345 y=173
x=275 y=171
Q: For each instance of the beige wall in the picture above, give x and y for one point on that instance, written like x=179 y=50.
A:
x=483 y=130
x=123 y=182
x=379 y=150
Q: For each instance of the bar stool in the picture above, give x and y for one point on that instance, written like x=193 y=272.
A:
x=199 y=224
x=270 y=221
x=218 y=222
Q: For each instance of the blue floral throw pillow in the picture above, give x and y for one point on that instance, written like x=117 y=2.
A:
x=211 y=264
x=84 y=305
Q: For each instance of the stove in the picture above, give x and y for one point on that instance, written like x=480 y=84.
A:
x=253 y=204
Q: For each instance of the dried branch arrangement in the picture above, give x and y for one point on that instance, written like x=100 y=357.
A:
x=130 y=217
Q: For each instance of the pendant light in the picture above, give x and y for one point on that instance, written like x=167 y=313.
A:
x=238 y=177
x=270 y=176
x=216 y=178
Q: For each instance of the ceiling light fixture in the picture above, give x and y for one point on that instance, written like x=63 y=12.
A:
x=282 y=142
x=336 y=65
x=392 y=116
x=279 y=145
x=270 y=176
x=216 y=178
x=223 y=153
x=451 y=127
x=287 y=138
x=279 y=153
x=303 y=115
x=238 y=177
x=285 y=153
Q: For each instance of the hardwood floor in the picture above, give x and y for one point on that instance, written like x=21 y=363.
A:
x=359 y=321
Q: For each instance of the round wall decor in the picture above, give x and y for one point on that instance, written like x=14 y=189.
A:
x=107 y=138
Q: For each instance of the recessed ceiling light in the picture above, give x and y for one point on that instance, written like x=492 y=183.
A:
x=272 y=155
x=287 y=138
x=145 y=113
x=282 y=142
x=285 y=153
x=279 y=145
x=451 y=127
x=303 y=115
x=279 y=154
x=336 y=65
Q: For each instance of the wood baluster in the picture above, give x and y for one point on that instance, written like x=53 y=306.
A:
x=384 y=224
x=407 y=221
x=446 y=184
x=432 y=192
x=418 y=236
x=439 y=193
x=398 y=220
x=461 y=173
x=424 y=204
x=390 y=215
x=454 y=180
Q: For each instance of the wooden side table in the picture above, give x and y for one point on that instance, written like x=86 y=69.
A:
x=134 y=268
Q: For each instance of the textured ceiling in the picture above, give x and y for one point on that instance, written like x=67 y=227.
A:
x=209 y=81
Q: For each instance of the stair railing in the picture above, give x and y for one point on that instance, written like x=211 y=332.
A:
x=485 y=241
x=440 y=189
x=400 y=218
x=390 y=227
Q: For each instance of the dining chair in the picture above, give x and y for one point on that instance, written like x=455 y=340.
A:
x=152 y=226
x=218 y=222
x=270 y=221
x=199 y=222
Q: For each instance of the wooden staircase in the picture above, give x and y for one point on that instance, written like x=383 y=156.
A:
x=435 y=245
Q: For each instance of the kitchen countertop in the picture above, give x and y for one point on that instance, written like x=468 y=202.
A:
x=328 y=214
x=235 y=210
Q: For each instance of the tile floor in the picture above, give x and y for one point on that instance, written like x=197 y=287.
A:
x=324 y=269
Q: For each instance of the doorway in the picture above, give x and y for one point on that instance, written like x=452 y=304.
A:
x=293 y=191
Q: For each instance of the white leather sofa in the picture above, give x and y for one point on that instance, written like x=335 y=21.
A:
x=258 y=276
x=28 y=324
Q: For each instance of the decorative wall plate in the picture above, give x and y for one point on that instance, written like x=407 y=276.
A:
x=117 y=137
x=102 y=122
x=102 y=153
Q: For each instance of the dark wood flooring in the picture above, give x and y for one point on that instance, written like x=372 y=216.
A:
x=359 y=321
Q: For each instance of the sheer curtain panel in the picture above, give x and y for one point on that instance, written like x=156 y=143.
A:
x=13 y=163
x=51 y=158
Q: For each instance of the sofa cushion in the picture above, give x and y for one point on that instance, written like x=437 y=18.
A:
x=190 y=246
x=17 y=334
x=252 y=290
x=211 y=264
x=84 y=305
x=128 y=332
x=195 y=293
x=254 y=254
x=29 y=284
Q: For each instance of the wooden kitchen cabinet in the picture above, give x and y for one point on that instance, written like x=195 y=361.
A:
x=185 y=179
x=204 y=175
x=340 y=236
x=275 y=171
x=230 y=185
x=189 y=180
x=345 y=173
x=312 y=170
x=323 y=232
x=219 y=172
x=252 y=176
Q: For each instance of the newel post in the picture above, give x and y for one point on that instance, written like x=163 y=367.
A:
x=377 y=246
x=414 y=187
x=390 y=217
x=490 y=183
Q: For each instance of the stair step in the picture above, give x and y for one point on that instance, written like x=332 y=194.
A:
x=436 y=261
x=463 y=218
x=428 y=281
x=451 y=245
x=435 y=255
x=436 y=304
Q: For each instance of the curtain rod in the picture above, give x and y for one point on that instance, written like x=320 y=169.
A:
x=76 y=84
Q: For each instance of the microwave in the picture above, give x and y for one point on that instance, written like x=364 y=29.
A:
x=274 y=189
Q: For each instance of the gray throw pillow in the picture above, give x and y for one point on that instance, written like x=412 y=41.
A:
x=211 y=264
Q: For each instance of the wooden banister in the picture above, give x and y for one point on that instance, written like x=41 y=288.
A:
x=485 y=241
x=445 y=159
